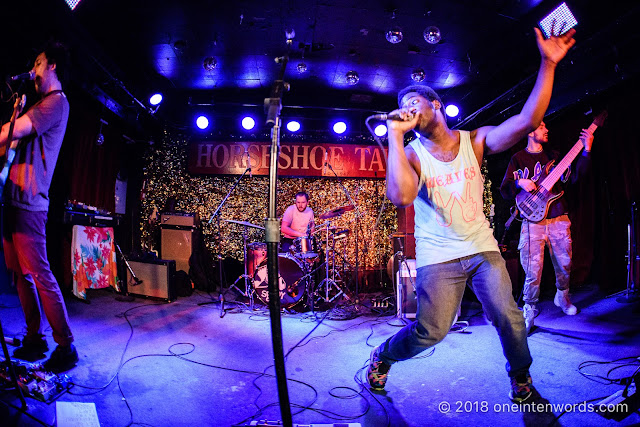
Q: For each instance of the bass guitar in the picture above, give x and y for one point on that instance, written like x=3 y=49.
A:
x=534 y=206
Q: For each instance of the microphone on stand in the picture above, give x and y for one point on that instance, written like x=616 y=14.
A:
x=324 y=166
x=24 y=76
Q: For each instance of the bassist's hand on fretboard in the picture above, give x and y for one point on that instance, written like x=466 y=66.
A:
x=526 y=184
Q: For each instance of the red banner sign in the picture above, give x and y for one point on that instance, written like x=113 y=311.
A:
x=296 y=159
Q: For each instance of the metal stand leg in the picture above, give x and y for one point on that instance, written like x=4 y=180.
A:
x=248 y=288
x=12 y=374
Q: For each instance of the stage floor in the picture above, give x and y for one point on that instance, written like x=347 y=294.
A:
x=181 y=364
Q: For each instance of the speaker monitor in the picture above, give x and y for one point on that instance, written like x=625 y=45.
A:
x=157 y=279
x=407 y=305
x=177 y=244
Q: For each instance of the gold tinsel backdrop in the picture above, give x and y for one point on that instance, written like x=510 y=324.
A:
x=166 y=176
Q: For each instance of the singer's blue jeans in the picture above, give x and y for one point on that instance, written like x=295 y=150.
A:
x=439 y=290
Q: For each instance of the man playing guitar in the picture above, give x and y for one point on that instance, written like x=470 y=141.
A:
x=39 y=134
x=525 y=173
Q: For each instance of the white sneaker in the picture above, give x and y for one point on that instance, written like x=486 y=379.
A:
x=529 y=313
x=562 y=300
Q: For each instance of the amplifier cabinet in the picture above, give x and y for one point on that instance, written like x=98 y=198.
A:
x=158 y=279
x=407 y=305
x=178 y=219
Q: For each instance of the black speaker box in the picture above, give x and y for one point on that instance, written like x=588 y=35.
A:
x=158 y=279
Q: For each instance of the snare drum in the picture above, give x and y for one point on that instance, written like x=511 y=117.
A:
x=291 y=283
x=305 y=247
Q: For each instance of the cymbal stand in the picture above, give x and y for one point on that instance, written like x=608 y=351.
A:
x=357 y=216
x=216 y=214
x=248 y=288
x=327 y=283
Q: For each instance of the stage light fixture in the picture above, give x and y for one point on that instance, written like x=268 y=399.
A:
x=339 y=127
x=452 y=110
x=72 y=3
x=209 y=63
x=202 y=122
x=293 y=126
x=418 y=75
x=432 y=35
x=394 y=35
x=155 y=99
x=248 y=123
x=380 y=130
x=352 y=77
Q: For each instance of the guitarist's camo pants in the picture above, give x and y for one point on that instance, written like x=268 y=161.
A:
x=555 y=233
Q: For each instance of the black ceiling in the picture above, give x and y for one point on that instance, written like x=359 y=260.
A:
x=126 y=49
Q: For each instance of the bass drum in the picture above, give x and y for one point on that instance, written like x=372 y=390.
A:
x=292 y=281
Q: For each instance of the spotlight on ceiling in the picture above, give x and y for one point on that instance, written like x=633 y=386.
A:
x=418 y=75
x=432 y=35
x=452 y=110
x=209 y=63
x=72 y=3
x=155 y=99
x=352 y=77
x=380 y=130
x=290 y=34
x=339 y=127
x=293 y=126
x=248 y=123
x=202 y=122
x=394 y=35
x=302 y=67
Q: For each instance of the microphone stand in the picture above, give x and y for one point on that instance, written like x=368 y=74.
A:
x=357 y=209
x=273 y=106
x=216 y=214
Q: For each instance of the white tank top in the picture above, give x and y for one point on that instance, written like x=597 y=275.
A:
x=449 y=219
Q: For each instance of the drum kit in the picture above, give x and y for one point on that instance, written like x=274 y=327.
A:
x=297 y=268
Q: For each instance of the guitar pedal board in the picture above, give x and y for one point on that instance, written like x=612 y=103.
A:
x=34 y=381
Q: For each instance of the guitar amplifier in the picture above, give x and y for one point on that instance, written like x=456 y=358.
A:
x=407 y=304
x=178 y=220
x=158 y=279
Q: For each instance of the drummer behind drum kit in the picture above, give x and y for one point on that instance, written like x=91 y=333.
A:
x=296 y=268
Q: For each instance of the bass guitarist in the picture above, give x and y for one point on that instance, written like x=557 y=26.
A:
x=525 y=172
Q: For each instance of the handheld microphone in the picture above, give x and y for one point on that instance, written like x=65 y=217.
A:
x=392 y=116
x=24 y=76
x=246 y=151
x=324 y=166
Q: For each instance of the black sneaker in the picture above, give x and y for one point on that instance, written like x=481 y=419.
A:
x=62 y=359
x=520 y=388
x=32 y=349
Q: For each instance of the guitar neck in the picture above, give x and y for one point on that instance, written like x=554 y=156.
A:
x=564 y=164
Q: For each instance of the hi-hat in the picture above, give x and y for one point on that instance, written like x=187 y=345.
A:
x=336 y=212
x=248 y=224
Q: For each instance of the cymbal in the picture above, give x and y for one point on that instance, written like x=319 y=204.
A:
x=336 y=212
x=248 y=224
x=323 y=228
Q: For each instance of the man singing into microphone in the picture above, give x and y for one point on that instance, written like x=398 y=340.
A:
x=297 y=221
x=439 y=172
x=40 y=132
